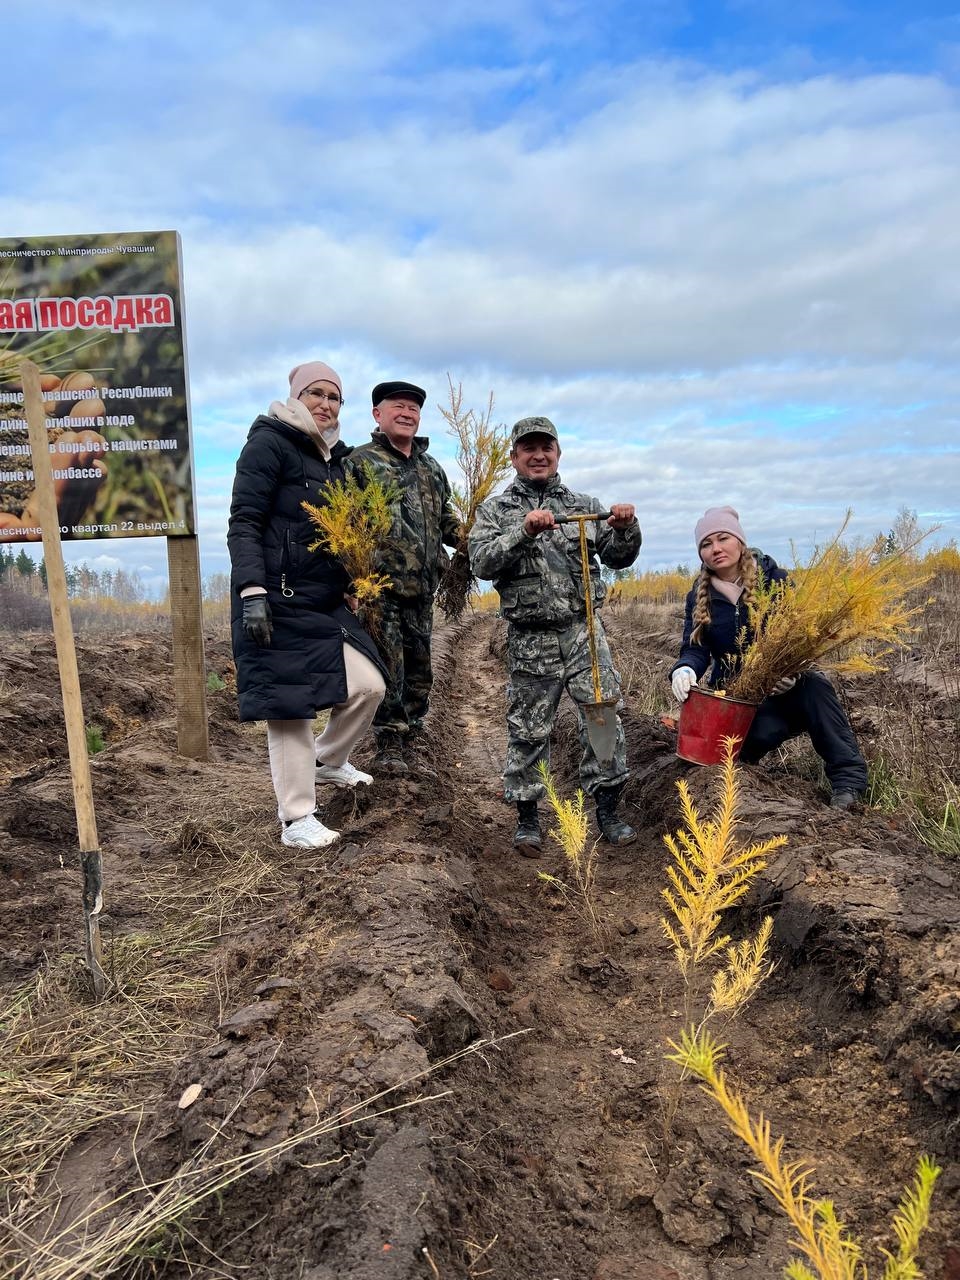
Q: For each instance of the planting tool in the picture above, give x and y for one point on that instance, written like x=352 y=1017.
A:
x=600 y=716
x=90 y=856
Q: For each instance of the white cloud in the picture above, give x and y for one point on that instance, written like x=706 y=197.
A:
x=722 y=286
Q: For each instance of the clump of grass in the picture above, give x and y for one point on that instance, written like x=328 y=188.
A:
x=214 y=683
x=9 y=693
x=936 y=819
x=842 y=611
x=95 y=739
x=221 y=863
x=642 y=674
x=571 y=833
x=483 y=455
x=711 y=871
x=883 y=789
x=824 y=1240
x=355 y=519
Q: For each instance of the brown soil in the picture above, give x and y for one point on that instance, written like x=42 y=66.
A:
x=423 y=934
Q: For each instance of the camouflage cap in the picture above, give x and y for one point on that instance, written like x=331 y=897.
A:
x=533 y=427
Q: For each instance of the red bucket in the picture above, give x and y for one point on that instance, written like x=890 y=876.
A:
x=705 y=720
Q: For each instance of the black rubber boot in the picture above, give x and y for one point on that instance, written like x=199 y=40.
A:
x=613 y=829
x=845 y=800
x=527 y=839
x=389 y=758
x=417 y=757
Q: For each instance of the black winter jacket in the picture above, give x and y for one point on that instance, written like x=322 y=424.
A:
x=718 y=642
x=302 y=670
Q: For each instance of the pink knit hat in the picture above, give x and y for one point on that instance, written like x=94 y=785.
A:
x=719 y=520
x=312 y=371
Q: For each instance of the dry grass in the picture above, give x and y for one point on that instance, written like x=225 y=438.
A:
x=913 y=723
x=70 y=1065
x=643 y=680
x=10 y=694
x=668 y=586
x=141 y=1223
x=221 y=865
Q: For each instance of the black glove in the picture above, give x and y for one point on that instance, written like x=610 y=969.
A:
x=257 y=620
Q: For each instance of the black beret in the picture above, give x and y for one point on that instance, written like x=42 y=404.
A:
x=384 y=390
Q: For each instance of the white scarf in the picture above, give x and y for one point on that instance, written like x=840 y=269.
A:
x=731 y=591
x=296 y=414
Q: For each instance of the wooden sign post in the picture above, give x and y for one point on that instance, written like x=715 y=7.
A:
x=189 y=667
x=45 y=496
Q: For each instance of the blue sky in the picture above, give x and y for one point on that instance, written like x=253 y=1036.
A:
x=716 y=243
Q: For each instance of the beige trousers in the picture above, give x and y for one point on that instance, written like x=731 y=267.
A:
x=294 y=751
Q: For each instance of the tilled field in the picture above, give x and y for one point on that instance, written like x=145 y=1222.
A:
x=316 y=983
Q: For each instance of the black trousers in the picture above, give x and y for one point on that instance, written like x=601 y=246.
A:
x=812 y=707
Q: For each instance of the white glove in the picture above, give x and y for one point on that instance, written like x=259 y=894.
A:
x=783 y=685
x=684 y=678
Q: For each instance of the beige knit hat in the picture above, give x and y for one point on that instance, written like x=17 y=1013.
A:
x=719 y=520
x=313 y=371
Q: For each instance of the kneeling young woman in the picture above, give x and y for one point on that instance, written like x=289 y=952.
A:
x=717 y=618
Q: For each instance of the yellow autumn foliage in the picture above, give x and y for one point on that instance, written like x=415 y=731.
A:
x=352 y=523
x=571 y=833
x=843 y=611
x=824 y=1240
x=483 y=456
x=711 y=871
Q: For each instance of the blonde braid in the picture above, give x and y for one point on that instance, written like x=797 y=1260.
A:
x=701 y=606
x=750 y=577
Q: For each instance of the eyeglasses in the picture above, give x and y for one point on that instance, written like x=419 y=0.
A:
x=330 y=398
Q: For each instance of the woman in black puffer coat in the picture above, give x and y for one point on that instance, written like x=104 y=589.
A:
x=298 y=646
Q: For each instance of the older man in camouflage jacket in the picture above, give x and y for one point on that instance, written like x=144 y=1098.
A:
x=535 y=566
x=412 y=558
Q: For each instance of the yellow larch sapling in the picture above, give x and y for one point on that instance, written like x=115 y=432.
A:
x=353 y=522
x=571 y=833
x=483 y=455
x=830 y=1250
x=710 y=872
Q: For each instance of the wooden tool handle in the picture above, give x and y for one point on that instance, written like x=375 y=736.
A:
x=590 y=515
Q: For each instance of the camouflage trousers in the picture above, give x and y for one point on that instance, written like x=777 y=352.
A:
x=541 y=665
x=406 y=626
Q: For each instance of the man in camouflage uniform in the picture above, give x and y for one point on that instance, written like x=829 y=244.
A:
x=412 y=558
x=535 y=566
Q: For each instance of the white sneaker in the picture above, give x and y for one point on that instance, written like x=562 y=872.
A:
x=342 y=775
x=308 y=833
